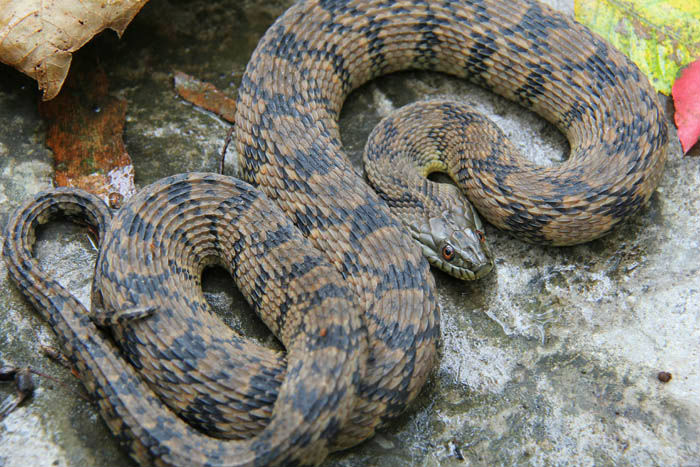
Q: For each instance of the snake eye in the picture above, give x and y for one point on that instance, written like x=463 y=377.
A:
x=448 y=252
x=480 y=234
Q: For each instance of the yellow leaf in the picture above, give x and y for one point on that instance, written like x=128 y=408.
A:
x=38 y=37
x=660 y=36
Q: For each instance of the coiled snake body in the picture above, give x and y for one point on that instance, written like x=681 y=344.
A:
x=335 y=277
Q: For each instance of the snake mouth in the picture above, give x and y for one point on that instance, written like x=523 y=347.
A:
x=460 y=271
x=483 y=270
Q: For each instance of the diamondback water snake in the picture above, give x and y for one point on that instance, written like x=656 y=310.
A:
x=288 y=141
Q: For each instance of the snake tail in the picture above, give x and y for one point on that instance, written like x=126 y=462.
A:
x=322 y=329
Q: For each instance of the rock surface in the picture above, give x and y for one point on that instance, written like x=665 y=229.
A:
x=551 y=360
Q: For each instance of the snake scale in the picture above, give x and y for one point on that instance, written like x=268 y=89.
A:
x=316 y=252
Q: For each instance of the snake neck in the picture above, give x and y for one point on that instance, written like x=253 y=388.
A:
x=402 y=151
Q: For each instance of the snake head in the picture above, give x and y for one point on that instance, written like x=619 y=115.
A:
x=455 y=243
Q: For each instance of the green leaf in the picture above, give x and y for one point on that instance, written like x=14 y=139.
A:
x=660 y=36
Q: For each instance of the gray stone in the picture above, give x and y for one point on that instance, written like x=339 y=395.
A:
x=551 y=360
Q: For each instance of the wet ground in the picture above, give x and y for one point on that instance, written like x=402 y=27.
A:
x=551 y=360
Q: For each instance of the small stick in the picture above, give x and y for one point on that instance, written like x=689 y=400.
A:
x=227 y=141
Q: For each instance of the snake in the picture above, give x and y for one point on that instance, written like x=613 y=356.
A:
x=337 y=276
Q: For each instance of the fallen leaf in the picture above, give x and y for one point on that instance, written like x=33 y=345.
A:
x=686 y=100
x=38 y=37
x=660 y=36
x=205 y=95
x=85 y=134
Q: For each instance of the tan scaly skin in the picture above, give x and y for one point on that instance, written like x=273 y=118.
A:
x=294 y=410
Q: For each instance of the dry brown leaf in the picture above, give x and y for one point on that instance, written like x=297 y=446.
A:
x=38 y=37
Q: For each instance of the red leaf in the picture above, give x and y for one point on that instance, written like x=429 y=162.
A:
x=686 y=99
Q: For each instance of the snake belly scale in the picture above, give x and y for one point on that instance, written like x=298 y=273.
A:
x=362 y=339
